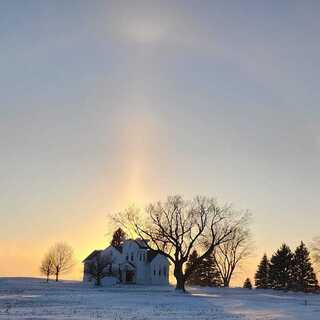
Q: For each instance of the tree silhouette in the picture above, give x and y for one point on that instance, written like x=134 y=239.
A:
x=119 y=236
x=62 y=258
x=205 y=274
x=99 y=267
x=176 y=227
x=315 y=247
x=228 y=255
x=281 y=268
x=303 y=276
x=46 y=267
x=247 y=284
x=262 y=274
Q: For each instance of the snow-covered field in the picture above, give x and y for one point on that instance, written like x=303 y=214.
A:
x=34 y=299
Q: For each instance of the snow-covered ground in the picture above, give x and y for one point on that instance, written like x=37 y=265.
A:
x=34 y=299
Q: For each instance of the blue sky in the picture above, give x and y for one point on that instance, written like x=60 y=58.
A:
x=107 y=103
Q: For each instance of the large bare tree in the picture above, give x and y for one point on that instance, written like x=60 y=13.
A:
x=62 y=258
x=229 y=254
x=175 y=227
x=46 y=267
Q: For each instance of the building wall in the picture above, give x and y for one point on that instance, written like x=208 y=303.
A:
x=136 y=255
x=159 y=270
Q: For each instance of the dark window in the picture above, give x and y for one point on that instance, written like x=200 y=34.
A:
x=132 y=256
x=127 y=257
x=164 y=271
x=159 y=271
x=154 y=272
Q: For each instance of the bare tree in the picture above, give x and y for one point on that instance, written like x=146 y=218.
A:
x=62 y=258
x=46 y=267
x=315 y=249
x=229 y=254
x=174 y=228
x=99 y=267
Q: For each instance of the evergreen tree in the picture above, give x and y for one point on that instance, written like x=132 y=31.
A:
x=194 y=276
x=281 y=268
x=118 y=238
x=303 y=276
x=262 y=274
x=205 y=274
x=247 y=284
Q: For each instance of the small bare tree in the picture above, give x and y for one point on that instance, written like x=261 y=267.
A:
x=62 y=258
x=174 y=228
x=315 y=249
x=229 y=254
x=99 y=267
x=46 y=267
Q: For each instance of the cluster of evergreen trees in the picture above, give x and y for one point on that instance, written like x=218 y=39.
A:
x=205 y=274
x=287 y=270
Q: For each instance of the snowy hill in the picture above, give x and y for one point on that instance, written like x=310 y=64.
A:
x=31 y=298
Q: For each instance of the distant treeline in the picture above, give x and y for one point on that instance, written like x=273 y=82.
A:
x=287 y=270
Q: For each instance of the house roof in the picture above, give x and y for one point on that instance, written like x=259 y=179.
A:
x=151 y=255
x=118 y=248
x=91 y=255
x=128 y=262
x=141 y=243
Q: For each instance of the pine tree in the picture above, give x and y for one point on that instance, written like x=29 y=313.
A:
x=206 y=273
x=303 y=276
x=247 y=284
x=262 y=274
x=281 y=268
x=193 y=279
x=118 y=238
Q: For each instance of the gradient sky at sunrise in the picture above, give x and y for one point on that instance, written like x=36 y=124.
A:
x=108 y=103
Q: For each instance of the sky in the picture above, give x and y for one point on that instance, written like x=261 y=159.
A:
x=104 y=104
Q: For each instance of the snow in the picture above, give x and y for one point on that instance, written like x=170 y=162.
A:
x=109 y=281
x=27 y=298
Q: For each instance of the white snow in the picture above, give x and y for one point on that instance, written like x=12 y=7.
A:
x=26 y=298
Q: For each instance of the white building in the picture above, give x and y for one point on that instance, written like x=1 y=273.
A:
x=133 y=262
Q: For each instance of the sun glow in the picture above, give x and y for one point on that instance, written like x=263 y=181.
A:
x=146 y=32
x=141 y=29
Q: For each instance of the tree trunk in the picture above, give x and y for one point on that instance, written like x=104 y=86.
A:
x=98 y=281
x=57 y=276
x=180 y=278
x=226 y=283
x=47 y=277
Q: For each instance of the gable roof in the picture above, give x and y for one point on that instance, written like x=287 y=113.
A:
x=118 y=248
x=91 y=255
x=141 y=243
x=129 y=263
x=151 y=255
